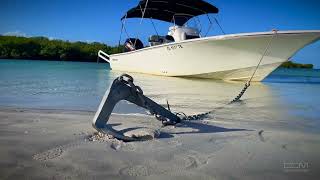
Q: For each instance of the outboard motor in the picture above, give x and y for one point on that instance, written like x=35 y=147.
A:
x=132 y=44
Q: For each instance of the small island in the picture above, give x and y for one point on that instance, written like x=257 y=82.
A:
x=290 y=64
x=42 y=48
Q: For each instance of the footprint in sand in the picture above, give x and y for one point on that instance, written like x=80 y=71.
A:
x=181 y=163
x=190 y=162
x=47 y=155
x=137 y=170
x=57 y=151
x=119 y=145
x=115 y=146
x=128 y=147
x=175 y=143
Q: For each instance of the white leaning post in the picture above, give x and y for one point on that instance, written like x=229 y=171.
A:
x=104 y=56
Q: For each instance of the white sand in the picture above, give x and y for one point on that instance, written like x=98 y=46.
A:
x=47 y=144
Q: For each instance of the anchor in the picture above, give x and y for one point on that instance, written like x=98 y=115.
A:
x=123 y=88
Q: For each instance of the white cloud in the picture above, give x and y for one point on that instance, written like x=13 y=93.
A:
x=15 y=33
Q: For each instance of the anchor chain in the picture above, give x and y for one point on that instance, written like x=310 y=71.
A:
x=204 y=115
x=236 y=99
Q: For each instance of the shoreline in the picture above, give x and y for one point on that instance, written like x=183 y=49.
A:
x=285 y=65
x=42 y=110
x=54 y=60
x=53 y=144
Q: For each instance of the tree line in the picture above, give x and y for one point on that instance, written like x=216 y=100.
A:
x=42 y=48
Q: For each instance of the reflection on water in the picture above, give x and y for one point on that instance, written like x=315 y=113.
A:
x=80 y=86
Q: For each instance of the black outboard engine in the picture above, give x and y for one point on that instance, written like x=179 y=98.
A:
x=132 y=44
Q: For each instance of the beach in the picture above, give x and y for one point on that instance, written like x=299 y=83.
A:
x=46 y=111
x=55 y=144
x=192 y=90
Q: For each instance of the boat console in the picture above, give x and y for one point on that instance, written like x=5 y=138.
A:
x=180 y=33
x=175 y=34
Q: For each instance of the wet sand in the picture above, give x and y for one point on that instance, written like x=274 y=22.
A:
x=55 y=144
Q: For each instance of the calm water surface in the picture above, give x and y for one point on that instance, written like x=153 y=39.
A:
x=285 y=95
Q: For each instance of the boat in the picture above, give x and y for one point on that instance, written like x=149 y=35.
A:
x=186 y=52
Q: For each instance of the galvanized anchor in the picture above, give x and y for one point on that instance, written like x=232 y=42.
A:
x=123 y=88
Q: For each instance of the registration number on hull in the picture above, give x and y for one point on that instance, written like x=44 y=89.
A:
x=174 y=47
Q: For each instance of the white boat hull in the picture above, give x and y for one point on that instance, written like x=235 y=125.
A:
x=228 y=57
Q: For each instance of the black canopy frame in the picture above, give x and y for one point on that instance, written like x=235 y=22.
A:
x=165 y=10
x=178 y=12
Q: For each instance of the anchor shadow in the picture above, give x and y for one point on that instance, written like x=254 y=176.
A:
x=198 y=128
x=187 y=127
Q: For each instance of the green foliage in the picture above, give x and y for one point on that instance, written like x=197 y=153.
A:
x=290 y=64
x=12 y=47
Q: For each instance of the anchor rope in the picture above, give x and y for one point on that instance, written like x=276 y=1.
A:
x=238 y=97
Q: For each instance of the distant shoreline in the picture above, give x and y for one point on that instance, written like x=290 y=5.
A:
x=54 y=60
x=38 y=48
x=287 y=65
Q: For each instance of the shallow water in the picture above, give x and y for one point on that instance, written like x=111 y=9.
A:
x=285 y=95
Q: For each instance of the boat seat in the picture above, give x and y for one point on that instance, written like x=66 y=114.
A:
x=132 y=44
x=192 y=37
x=157 y=40
x=169 y=38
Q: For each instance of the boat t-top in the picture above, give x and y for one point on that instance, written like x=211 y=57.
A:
x=186 y=51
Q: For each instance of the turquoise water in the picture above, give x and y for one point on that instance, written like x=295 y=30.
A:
x=50 y=84
x=284 y=75
x=285 y=94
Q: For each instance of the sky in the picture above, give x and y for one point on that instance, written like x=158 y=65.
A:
x=99 y=20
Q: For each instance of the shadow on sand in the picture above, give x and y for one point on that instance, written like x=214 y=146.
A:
x=198 y=127
x=187 y=127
